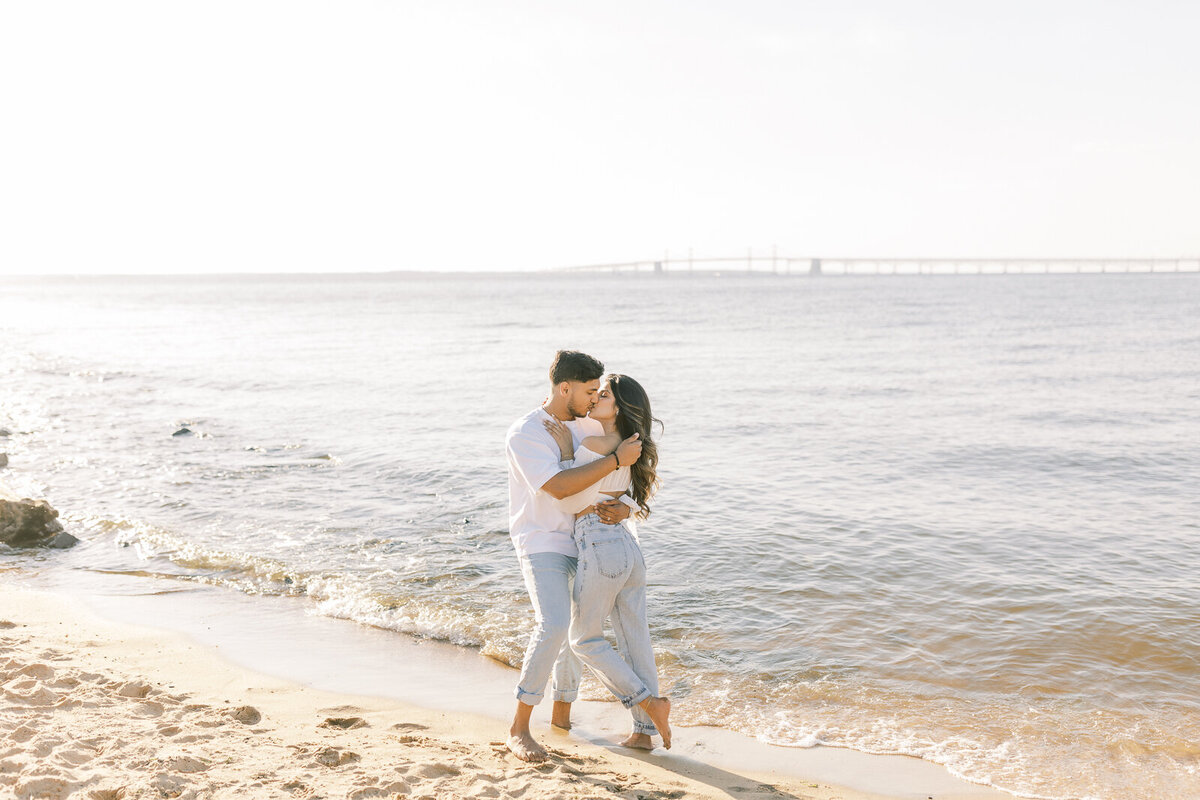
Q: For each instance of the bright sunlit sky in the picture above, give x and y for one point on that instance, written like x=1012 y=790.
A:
x=285 y=136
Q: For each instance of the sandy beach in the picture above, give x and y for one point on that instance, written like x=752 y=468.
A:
x=104 y=710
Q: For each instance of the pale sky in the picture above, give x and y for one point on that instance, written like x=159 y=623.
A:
x=285 y=136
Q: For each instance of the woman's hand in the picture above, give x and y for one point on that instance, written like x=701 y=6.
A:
x=562 y=435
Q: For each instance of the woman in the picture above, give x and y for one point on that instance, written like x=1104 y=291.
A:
x=611 y=576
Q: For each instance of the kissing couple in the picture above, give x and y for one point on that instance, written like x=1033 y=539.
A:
x=579 y=467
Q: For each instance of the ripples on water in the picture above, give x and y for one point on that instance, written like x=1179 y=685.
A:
x=954 y=518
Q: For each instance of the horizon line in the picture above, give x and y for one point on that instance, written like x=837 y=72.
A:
x=631 y=266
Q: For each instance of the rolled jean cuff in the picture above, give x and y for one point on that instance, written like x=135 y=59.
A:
x=567 y=696
x=630 y=702
x=528 y=698
x=645 y=727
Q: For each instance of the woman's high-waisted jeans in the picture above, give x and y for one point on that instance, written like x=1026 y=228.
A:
x=610 y=582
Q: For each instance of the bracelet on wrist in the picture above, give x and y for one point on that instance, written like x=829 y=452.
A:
x=618 y=458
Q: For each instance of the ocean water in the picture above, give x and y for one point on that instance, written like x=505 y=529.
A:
x=951 y=517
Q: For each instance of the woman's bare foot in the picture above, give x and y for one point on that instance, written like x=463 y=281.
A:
x=659 y=709
x=560 y=716
x=523 y=746
x=641 y=741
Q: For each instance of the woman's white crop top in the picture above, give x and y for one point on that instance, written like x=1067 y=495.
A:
x=618 y=480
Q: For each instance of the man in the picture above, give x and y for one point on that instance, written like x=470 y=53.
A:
x=542 y=534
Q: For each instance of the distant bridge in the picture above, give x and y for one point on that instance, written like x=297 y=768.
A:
x=774 y=264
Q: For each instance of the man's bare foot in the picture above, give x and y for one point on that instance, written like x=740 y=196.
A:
x=560 y=716
x=523 y=746
x=641 y=741
x=659 y=709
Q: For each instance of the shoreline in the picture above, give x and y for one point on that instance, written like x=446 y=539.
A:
x=208 y=641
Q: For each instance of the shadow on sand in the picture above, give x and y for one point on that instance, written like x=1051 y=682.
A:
x=687 y=768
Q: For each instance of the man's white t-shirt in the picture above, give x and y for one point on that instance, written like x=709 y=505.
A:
x=537 y=523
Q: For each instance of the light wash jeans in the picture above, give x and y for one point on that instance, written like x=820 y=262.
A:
x=611 y=583
x=548 y=578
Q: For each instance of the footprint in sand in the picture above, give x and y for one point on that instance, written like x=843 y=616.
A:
x=409 y=738
x=384 y=790
x=344 y=723
x=298 y=789
x=149 y=709
x=23 y=734
x=437 y=770
x=95 y=743
x=333 y=757
x=42 y=672
x=247 y=715
x=74 y=756
x=169 y=785
x=43 y=746
x=43 y=786
x=186 y=764
x=563 y=756
x=107 y=794
x=36 y=695
x=134 y=689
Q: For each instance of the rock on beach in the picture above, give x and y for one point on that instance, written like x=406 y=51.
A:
x=30 y=523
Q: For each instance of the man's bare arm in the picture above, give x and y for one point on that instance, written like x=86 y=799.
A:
x=575 y=480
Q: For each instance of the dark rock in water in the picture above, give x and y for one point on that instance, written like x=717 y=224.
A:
x=63 y=541
x=3 y=460
x=183 y=432
x=29 y=523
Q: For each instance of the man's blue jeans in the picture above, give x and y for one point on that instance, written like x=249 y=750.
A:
x=549 y=577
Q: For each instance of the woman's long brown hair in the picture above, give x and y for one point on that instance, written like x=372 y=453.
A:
x=633 y=416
